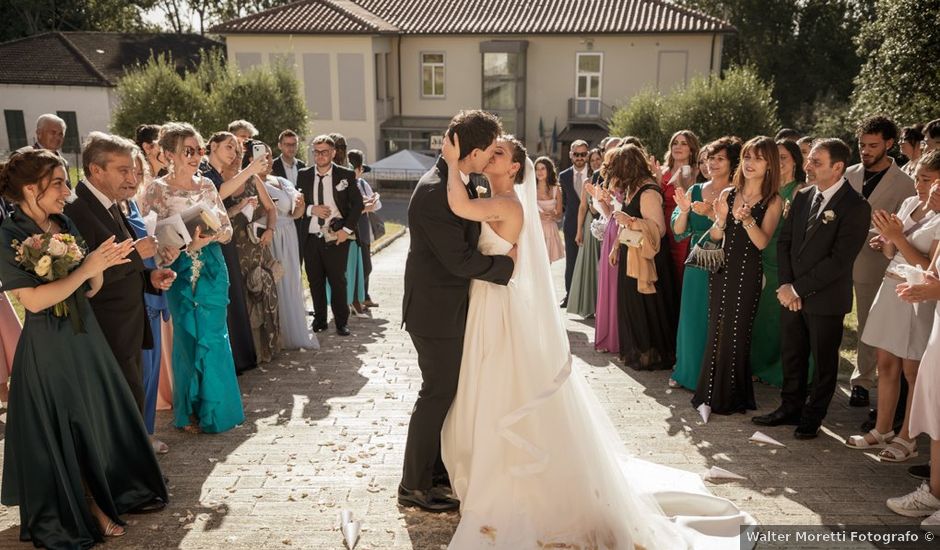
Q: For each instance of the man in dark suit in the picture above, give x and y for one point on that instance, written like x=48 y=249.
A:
x=826 y=229
x=572 y=181
x=119 y=305
x=334 y=200
x=288 y=166
x=442 y=260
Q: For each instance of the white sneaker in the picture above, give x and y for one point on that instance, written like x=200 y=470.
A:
x=932 y=523
x=916 y=504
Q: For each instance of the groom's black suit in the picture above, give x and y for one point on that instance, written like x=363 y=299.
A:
x=442 y=260
x=817 y=260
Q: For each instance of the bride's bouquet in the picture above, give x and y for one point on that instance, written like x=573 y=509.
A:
x=50 y=257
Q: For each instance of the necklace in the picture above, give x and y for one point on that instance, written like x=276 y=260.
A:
x=873 y=176
x=48 y=228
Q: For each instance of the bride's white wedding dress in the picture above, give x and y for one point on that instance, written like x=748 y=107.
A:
x=533 y=458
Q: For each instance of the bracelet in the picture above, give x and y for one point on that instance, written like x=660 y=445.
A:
x=719 y=227
x=681 y=211
x=750 y=224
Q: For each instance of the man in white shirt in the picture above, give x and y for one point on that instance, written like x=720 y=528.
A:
x=332 y=194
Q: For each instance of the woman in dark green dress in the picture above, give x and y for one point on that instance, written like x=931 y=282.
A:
x=766 y=365
x=76 y=453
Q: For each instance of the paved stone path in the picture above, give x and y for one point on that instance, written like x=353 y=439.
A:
x=326 y=431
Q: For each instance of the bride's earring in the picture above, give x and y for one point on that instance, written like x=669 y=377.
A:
x=171 y=169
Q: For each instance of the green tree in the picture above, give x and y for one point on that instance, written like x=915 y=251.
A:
x=19 y=18
x=210 y=97
x=738 y=104
x=900 y=77
x=804 y=47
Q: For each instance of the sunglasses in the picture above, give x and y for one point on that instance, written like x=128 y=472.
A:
x=190 y=152
x=579 y=155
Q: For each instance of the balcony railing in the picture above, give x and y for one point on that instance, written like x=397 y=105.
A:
x=589 y=110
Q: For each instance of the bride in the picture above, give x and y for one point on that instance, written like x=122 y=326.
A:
x=532 y=457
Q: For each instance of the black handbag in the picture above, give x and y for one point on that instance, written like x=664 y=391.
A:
x=707 y=254
x=378 y=226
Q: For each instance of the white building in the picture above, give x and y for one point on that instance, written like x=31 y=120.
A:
x=74 y=75
x=389 y=74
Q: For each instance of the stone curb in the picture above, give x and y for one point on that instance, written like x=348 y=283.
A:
x=389 y=240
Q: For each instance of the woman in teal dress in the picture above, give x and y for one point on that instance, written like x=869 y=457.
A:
x=206 y=396
x=692 y=217
x=76 y=453
x=766 y=365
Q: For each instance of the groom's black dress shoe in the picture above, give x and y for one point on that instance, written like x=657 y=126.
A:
x=777 y=418
x=806 y=430
x=342 y=331
x=318 y=327
x=430 y=500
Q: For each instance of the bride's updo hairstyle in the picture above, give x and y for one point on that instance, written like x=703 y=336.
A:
x=27 y=167
x=627 y=168
x=519 y=155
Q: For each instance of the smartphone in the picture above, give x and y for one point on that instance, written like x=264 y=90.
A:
x=687 y=171
x=258 y=150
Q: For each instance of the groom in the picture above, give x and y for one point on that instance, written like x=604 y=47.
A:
x=827 y=227
x=442 y=260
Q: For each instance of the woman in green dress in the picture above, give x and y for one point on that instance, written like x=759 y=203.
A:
x=206 y=397
x=582 y=298
x=76 y=453
x=692 y=217
x=766 y=365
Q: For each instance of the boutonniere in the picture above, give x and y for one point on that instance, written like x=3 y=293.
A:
x=342 y=185
x=786 y=208
x=828 y=216
x=482 y=191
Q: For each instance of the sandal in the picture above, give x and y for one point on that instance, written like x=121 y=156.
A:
x=899 y=450
x=113 y=530
x=859 y=441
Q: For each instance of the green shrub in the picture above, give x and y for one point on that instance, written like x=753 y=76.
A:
x=210 y=97
x=738 y=104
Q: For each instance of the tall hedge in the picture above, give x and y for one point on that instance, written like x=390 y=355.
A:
x=210 y=97
x=738 y=104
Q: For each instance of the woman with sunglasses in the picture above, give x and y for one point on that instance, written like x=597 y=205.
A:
x=206 y=396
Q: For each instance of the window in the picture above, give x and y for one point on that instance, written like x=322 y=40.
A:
x=72 y=142
x=432 y=75
x=16 y=129
x=504 y=78
x=588 y=83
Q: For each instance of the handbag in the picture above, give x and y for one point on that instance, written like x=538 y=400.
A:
x=707 y=255
x=630 y=237
x=377 y=224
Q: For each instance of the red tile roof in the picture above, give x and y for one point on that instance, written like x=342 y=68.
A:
x=91 y=58
x=476 y=17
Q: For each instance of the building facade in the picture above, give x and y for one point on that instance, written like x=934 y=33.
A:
x=389 y=74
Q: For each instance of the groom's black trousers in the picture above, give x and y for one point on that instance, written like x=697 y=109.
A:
x=439 y=361
x=801 y=335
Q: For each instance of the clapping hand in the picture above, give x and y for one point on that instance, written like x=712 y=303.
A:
x=929 y=290
x=162 y=279
x=108 y=254
x=876 y=243
x=742 y=212
x=683 y=200
x=702 y=208
x=146 y=247
x=889 y=225
x=168 y=255
x=720 y=206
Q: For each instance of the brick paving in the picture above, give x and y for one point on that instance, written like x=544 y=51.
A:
x=325 y=431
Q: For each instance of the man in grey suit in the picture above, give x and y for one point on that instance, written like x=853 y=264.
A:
x=885 y=186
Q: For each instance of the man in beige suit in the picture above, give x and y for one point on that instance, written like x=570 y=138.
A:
x=885 y=186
